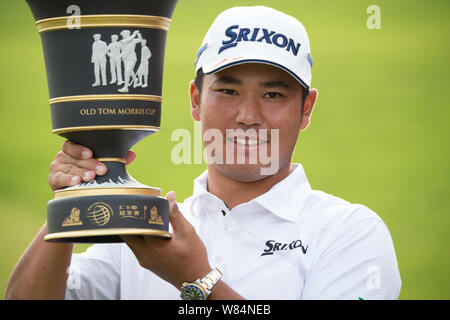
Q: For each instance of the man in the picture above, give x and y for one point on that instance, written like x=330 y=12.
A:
x=128 y=55
x=115 y=61
x=142 y=72
x=242 y=234
x=99 y=49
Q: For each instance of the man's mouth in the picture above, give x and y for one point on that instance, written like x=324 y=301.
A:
x=247 y=141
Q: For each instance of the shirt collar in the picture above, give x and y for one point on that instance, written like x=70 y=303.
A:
x=285 y=199
x=200 y=185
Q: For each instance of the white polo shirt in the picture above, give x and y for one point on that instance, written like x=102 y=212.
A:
x=289 y=243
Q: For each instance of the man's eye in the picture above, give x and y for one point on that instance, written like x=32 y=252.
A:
x=273 y=95
x=228 y=91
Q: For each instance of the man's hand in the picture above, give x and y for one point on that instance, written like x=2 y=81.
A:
x=75 y=164
x=182 y=258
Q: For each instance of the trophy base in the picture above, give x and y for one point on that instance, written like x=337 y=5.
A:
x=103 y=235
x=102 y=215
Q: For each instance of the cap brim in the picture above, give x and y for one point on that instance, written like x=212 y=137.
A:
x=227 y=63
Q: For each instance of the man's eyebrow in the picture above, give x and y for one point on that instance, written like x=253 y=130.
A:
x=227 y=80
x=267 y=84
x=275 y=84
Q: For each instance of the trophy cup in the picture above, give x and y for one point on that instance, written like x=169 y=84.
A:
x=104 y=61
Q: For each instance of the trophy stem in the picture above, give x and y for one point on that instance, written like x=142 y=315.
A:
x=108 y=144
x=116 y=172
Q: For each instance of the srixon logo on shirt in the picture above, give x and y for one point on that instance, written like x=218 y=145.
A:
x=273 y=246
x=237 y=34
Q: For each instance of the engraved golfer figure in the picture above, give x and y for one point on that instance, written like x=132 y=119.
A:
x=115 y=61
x=142 y=72
x=99 y=49
x=128 y=55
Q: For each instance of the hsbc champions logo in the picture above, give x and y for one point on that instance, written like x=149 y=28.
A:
x=99 y=213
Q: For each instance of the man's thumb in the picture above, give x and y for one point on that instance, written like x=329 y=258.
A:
x=176 y=219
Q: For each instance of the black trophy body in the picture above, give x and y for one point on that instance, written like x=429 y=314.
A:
x=104 y=61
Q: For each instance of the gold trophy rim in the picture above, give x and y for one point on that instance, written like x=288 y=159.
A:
x=107 y=232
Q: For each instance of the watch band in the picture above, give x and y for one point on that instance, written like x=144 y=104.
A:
x=211 y=278
x=200 y=289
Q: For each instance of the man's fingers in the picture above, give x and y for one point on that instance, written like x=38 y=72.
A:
x=133 y=241
x=76 y=151
x=140 y=243
x=71 y=169
x=65 y=175
x=61 y=180
x=130 y=157
x=176 y=218
x=89 y=163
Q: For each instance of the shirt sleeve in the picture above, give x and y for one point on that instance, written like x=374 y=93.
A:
x=95 y=273
x=359 y=262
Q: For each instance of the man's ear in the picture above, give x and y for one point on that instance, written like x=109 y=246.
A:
x=308 y=107
x=195 y=101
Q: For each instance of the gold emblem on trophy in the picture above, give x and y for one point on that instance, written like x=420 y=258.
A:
x=99 y=213
x=73 y=219
x=155 y=218
x=131 y=211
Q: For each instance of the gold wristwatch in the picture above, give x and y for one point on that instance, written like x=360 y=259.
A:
x=200 y=289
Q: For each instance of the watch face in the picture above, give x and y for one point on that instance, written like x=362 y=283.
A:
x=192 y=292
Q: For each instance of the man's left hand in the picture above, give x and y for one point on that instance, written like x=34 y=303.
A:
x=179 y=259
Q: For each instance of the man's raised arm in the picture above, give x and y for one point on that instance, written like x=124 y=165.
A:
x=41 y=272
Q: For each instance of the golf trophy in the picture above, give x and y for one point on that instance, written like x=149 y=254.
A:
x=104 y=61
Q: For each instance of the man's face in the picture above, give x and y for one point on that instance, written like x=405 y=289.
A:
x=254 y=98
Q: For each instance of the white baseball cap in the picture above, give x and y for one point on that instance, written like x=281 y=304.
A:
x=256 y=35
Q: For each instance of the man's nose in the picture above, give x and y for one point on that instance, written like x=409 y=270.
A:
x=249 y=113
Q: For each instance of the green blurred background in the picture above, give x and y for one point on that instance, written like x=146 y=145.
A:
x=379 y=133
